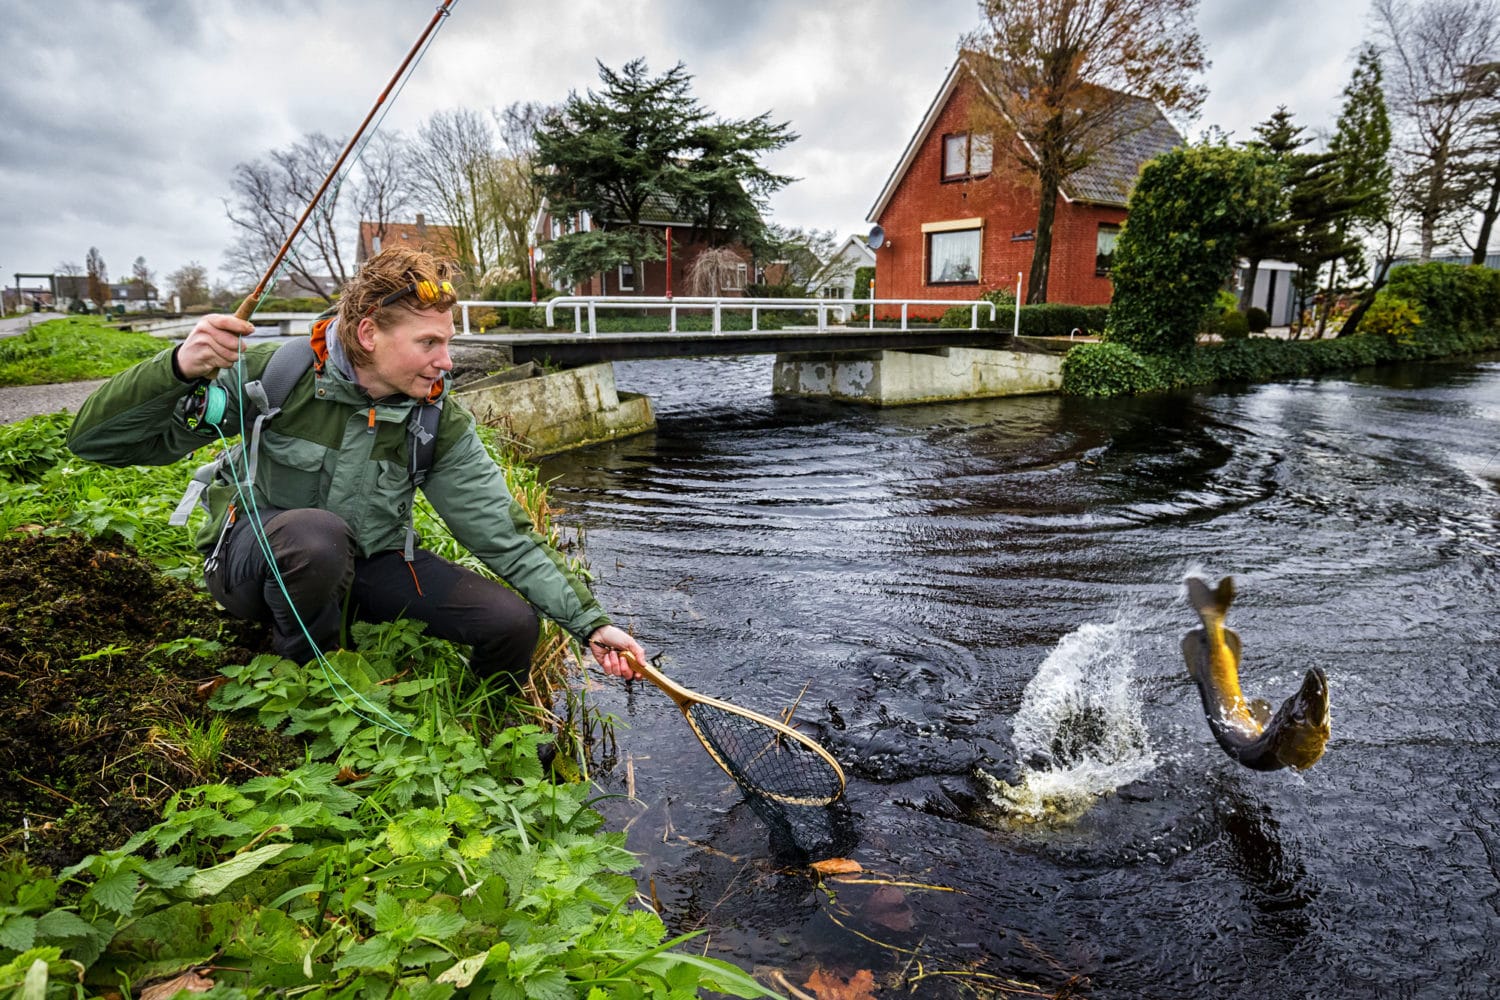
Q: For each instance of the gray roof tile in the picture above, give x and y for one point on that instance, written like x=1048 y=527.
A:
x=1144 y=133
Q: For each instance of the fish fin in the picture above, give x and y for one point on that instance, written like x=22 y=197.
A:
x=1260 y=711
x=1195 y=652
x=1215 y=601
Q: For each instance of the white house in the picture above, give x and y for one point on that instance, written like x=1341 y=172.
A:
x=835 y=279
x=1273 y=289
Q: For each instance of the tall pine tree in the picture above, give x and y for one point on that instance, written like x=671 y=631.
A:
x=1361 y=148
x=1312 y=228
x=645 y=143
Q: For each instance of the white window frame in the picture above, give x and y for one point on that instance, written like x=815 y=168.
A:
x=1113 y=230
x=620 y=279
x=736 y=282
x=978 y=156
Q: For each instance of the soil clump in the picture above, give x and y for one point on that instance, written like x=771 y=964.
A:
x=101 y=657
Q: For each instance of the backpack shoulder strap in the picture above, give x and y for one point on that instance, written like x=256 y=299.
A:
x=284 y=370
x=423 y=426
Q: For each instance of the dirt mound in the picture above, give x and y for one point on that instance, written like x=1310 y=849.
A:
x=100 y=658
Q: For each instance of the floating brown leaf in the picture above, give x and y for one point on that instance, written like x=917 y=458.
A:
x=836 y=866
x=887 y=907
x=828 y=986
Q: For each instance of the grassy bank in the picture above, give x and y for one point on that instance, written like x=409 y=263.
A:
x=409 y=845
x=72 y=349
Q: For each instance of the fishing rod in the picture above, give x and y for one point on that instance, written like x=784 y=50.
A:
x=247 y=307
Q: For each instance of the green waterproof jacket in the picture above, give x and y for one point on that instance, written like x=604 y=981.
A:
x=333 y=448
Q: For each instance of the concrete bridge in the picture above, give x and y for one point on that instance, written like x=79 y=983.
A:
x=834 y=357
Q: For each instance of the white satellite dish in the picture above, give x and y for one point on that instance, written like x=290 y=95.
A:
x=876 y=238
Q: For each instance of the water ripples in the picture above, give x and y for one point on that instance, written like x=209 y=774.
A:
x=905 y=577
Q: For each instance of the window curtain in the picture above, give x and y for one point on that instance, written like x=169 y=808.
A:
x=954 y=256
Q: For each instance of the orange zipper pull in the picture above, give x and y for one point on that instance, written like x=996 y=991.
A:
x=372 y=420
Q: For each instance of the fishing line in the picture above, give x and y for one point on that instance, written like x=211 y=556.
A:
x=246 y=494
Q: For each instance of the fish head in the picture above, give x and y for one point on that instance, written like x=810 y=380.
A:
x=1301 y=724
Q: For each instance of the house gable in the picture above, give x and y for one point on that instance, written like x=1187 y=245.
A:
x=957 y=234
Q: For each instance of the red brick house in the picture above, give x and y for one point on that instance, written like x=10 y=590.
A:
x=956 y=227
x=376 y=236
x=659 y=214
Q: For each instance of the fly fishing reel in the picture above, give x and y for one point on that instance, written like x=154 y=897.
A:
x=206 y=405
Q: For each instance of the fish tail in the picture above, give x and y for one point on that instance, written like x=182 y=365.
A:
x=1210 y=604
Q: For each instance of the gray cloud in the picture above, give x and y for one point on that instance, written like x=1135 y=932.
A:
x=122 y=120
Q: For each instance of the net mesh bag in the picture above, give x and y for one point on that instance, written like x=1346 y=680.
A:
x=766 y=761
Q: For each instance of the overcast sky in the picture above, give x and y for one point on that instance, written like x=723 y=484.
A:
x=122 y=120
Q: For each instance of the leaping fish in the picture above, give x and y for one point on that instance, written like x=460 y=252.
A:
x=1294 y=737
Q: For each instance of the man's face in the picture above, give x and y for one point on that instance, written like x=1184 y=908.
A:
x=408 y=356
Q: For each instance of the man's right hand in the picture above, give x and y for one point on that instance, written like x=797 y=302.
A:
x=213 y=345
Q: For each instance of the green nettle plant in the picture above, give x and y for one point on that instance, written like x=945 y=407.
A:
x=410 y=857
x=1187 y=212
x=419 y=852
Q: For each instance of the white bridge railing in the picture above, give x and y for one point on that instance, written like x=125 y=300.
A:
x=589 y=305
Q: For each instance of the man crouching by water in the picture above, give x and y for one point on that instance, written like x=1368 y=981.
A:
x=334 y=477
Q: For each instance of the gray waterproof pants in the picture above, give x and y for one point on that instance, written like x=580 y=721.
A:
x=319 y=573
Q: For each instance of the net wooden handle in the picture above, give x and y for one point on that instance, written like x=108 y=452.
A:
x=681 y=695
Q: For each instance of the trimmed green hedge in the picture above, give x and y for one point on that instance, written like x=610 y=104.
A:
x=1458 y=304
x=1110 y=369
x=1462 y=297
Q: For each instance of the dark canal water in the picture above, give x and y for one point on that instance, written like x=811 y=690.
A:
x=952 y=584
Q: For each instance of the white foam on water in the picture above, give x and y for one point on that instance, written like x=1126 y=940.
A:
x=1080 y=730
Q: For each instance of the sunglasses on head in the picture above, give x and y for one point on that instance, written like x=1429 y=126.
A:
x=427 y=292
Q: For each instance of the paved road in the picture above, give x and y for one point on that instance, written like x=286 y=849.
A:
x=20 y=324
x=17 y=402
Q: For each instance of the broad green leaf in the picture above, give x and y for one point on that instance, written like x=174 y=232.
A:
x=115 y=891
x=475 y=846
x=549 y=985
x=17 y=933
x=389 y=914
x=421 y=989
x=439 y=926
x=64 y=924
x=379 y=952
x=212 y=881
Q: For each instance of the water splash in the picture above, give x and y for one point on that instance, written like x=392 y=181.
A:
x=1079 y=732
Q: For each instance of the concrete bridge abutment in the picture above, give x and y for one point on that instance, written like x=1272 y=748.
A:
x=1025 y=366
x=545 y=413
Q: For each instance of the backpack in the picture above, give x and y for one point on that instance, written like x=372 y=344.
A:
x=284 y=370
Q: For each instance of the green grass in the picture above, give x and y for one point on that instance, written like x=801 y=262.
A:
x=72 y=349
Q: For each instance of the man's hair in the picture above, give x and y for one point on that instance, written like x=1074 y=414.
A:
x=383 y=275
